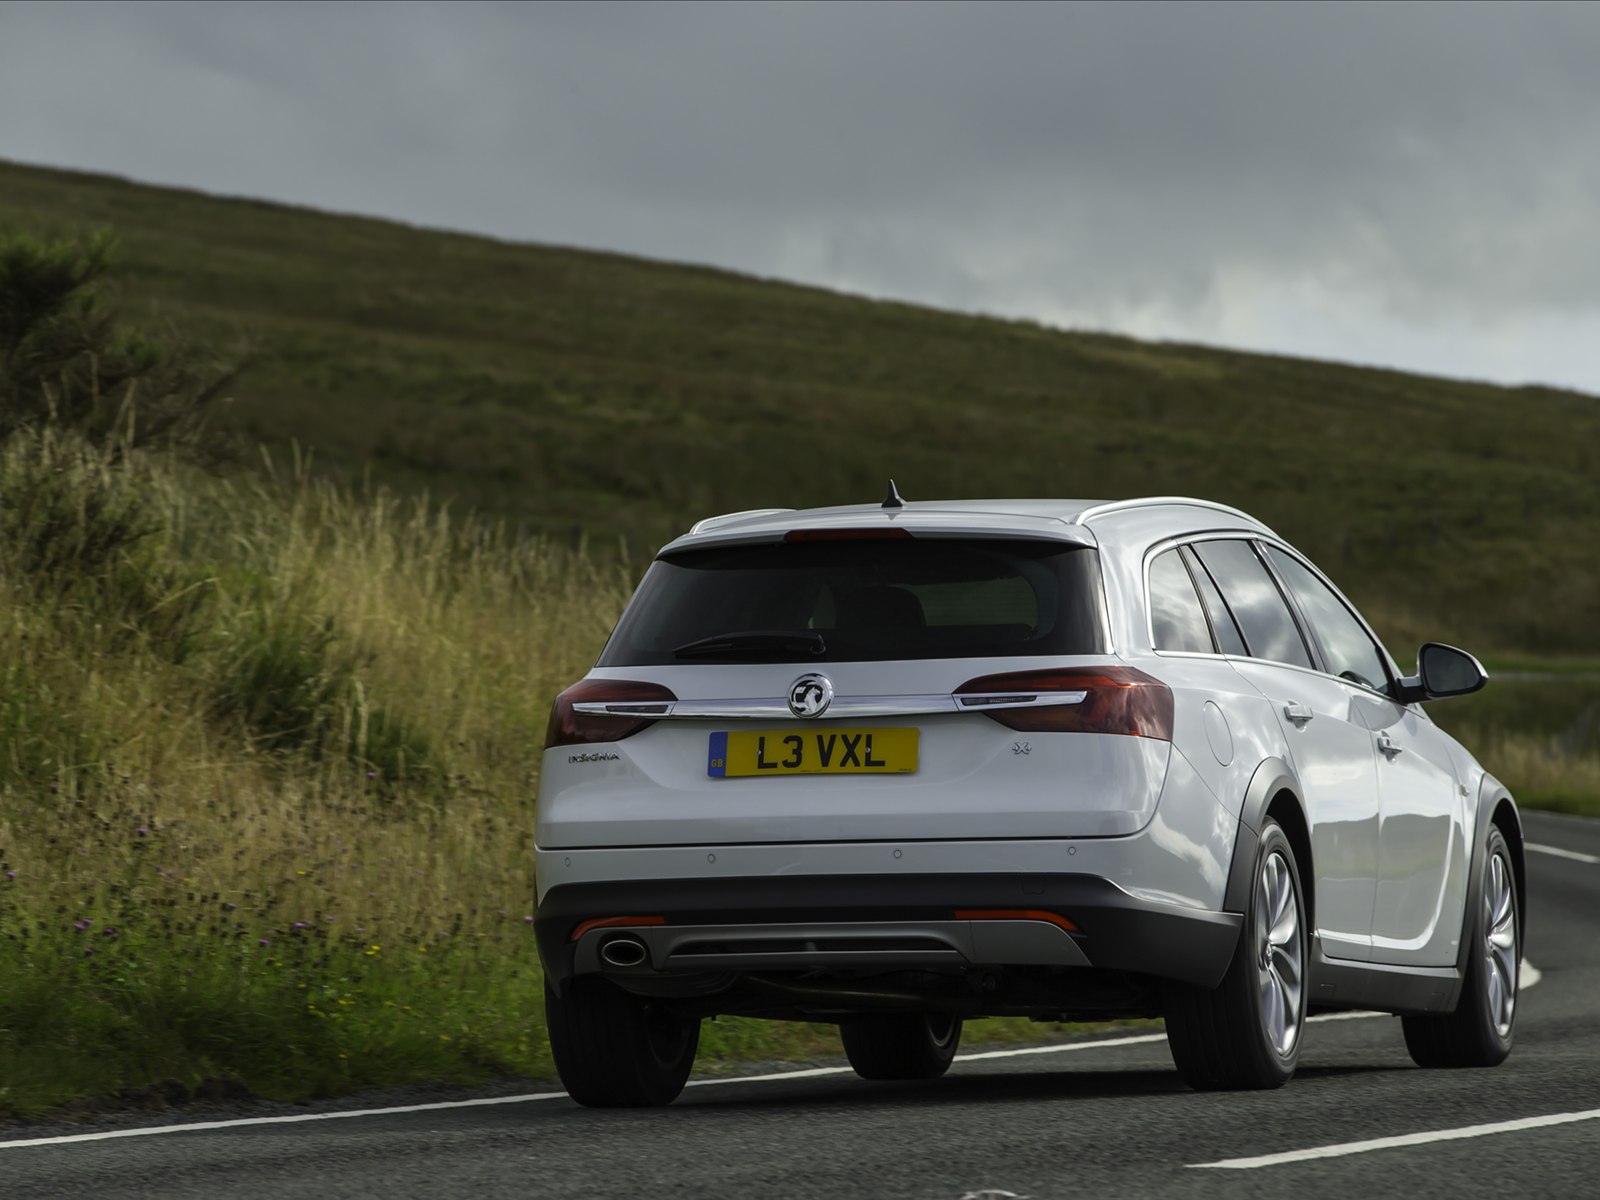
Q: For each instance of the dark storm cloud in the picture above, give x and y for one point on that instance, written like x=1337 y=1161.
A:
x=1417 y=184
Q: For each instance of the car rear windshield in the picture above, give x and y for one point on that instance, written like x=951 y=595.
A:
x=863 y=601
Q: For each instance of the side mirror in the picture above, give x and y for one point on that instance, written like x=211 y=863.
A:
x=1443 y=671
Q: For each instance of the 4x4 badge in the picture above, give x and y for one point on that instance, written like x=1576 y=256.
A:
x=810 y=695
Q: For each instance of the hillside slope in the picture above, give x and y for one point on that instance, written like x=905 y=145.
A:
x=567 y=388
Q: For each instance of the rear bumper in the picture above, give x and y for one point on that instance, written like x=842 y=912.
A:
x=883 y=922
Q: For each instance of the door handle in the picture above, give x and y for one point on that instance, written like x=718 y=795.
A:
x=1298 y=713
x=1388 y=745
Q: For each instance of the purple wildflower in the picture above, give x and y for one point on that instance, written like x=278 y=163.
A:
x=527 y=920
x=11 y=874
x=142 y=831
x=263 y=942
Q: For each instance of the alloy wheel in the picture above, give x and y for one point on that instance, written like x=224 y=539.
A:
x=1280 y=953
x=1500 y=942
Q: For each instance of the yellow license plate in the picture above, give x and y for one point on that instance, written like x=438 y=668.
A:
x=758 y=752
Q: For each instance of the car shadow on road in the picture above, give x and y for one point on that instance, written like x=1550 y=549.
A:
x=966 y=1088
x=971 y=1087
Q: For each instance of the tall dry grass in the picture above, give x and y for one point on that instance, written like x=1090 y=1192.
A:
x=267 y=740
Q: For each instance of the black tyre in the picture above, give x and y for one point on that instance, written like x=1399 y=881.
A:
x=1245 y=1033
x=901 y=1045
x=615 y=1050
x=1481 y=1030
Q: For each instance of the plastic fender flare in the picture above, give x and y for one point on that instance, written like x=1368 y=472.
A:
x=1491 y=793
x=1271 y=777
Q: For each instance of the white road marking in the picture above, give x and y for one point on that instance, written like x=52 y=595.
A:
x=1529 y=977
x=1022 y=1051
x=293 y=1119
x=303 y=1118
x=1574 y=855
x=1406 y=1139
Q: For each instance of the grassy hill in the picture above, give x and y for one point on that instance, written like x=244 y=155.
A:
x=569 y=389
x=268 y=745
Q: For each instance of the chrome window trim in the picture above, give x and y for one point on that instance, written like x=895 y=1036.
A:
x=846 y=707
x=1187 y=539
x=1173 y=543
x=1149 y=610
x=1222 y=535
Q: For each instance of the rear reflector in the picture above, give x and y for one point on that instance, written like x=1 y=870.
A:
x=1112 y=700
x=1015 y=914
x=568 y=727
x=888 y=534
x=611 y=923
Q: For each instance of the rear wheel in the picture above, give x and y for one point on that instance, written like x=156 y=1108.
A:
x=901 y=1045
x=615 y=1050
x=1480 y=1032
x=1245 y=1033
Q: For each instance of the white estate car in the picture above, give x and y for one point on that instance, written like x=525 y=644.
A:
x=897 y=765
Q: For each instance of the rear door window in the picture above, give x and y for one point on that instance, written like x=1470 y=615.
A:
x=1223 y=626
x=1255 y=601
x=1177 y=622
x=1347 y=648
x=864 y=601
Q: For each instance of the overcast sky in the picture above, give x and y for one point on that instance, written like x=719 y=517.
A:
x=1416 y=186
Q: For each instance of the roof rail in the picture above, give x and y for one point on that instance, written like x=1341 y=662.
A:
x=1100 y=510
x=713 y=522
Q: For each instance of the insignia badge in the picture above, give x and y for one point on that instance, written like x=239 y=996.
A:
x=810 y=695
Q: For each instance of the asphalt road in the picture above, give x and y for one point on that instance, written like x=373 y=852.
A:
x=1101 y=1119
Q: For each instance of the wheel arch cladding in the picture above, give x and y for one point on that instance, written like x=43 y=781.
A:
x=1285 y=810
x=1275 y=792
x=1495 y=807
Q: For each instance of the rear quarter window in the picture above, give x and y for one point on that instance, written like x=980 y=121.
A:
x=1177 y=622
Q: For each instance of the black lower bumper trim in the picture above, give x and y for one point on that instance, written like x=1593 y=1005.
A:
x=1116 y=931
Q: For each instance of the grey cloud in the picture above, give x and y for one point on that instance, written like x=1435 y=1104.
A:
x=1417 y=174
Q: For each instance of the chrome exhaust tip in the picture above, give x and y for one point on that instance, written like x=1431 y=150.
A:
x=623 y=952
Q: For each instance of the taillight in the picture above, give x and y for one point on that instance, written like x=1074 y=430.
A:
x=1109 y=700
x=630 y=706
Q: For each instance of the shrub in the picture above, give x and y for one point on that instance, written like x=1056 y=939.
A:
x=81 y=531
x=291 y=679
x=66 y=361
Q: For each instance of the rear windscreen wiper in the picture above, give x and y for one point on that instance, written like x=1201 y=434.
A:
x=754 y=640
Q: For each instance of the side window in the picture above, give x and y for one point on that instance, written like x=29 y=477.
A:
x=1255 y=601
x=1347 y=648
x=1222 y=623
x=1176 y=618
